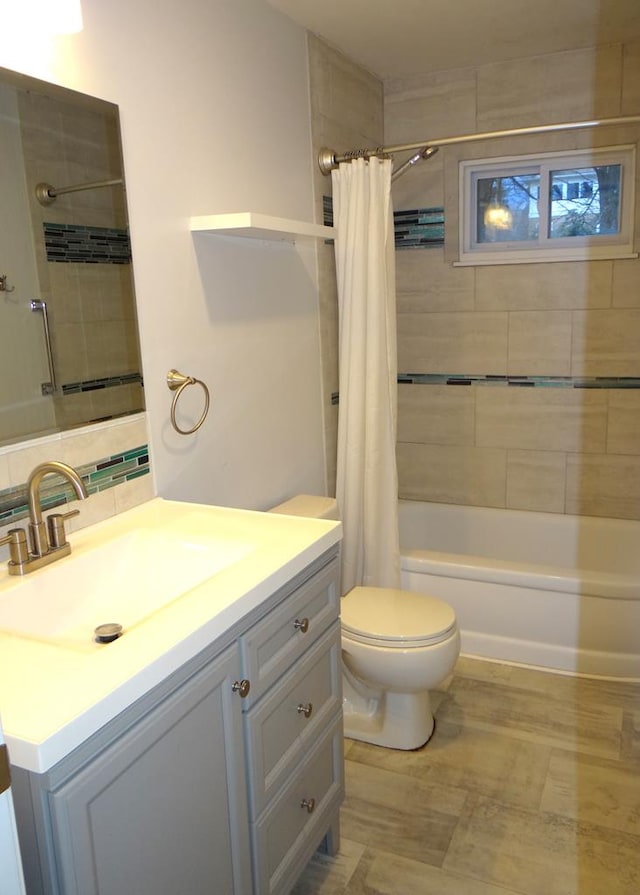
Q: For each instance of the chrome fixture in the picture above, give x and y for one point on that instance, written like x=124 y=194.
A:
x=328 y=159
x=47 y=194
x=4 y=286
x=425 y=152
x=48 y=543
x=48 y=388
x=178 y=382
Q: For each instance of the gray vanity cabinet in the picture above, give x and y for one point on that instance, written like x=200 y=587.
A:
x=293 y=732
x=201 y=787
x=162 y=809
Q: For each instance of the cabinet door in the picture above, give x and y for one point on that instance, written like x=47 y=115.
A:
x=163 y=810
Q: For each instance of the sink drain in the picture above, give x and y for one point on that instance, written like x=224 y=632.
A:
x=107 y=633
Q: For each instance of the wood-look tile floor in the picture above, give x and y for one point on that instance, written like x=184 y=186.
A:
x=530 y=785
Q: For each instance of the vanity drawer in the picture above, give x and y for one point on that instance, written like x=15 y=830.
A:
x=291 y=828
x=276 y=642
x=283 y=726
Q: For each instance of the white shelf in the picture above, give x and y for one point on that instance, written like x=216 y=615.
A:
x=259 y=226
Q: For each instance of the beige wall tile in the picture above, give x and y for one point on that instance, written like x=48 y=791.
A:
x=531 y=287
x=539 y=343
x=70 y=351
x=536 y=481
x=344 y=91
x=436 y=414
x=602 y=485
x=578 y=84
x=452 y=343
x=552 y=419
x=452 y=474
x=623 y=434
x=442 y=104
x=631 y=78
x=346 y=112
x=626 y=283
x=606 y=343
x=424 y=282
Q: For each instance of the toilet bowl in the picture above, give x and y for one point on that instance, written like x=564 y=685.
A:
x=397 y=645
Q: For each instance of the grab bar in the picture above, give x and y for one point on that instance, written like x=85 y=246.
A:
x=48 y=388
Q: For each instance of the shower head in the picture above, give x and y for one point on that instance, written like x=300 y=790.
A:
x=427 y=152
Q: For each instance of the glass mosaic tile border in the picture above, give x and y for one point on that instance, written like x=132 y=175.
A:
x=610 y=382
x=87 y=245
x=105 y=473
x=91 y=385
x=419 y=228
x=416 y=228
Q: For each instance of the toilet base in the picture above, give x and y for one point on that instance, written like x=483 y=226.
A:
x=395 y=720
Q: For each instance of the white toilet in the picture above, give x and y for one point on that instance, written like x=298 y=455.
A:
x=397 y=645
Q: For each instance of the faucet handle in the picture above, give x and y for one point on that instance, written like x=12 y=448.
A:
x=55 y=528
x=16 y=538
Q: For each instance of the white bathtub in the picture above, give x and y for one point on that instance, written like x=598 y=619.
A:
x=555 y=591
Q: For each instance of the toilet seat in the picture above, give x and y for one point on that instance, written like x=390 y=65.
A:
x=391 y=617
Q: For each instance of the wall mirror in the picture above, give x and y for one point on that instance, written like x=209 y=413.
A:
x=69 y=350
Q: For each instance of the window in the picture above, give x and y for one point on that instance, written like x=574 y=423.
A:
x=551 y=207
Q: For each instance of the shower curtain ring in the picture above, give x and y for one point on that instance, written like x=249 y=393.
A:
x=178 y=382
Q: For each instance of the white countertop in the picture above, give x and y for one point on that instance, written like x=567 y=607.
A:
x=53 y=695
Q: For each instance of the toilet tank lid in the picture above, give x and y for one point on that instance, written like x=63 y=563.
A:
x=312 y=505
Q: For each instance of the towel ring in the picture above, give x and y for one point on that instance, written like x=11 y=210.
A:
x=177 y=382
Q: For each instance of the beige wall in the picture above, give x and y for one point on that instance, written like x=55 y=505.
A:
x=346 y=112
x=550 y=449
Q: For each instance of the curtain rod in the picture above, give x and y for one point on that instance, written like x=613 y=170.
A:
x=328 y=159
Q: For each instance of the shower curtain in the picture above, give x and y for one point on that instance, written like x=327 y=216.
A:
x=367 y=482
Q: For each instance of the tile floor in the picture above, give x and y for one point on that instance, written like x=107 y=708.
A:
x=530 y=786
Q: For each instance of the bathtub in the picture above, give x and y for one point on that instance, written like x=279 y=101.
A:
x=558 y=592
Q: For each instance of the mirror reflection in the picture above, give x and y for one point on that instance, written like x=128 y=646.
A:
x=69 y=351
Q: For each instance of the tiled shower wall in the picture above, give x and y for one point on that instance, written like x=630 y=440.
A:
x=346 y=111
x=556 y=449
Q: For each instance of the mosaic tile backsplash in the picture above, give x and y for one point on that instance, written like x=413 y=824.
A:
x=105 y=473
x=88 y=245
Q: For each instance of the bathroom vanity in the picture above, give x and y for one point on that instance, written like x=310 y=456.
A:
x=202 y=750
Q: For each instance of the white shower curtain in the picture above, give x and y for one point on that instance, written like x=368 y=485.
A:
x=366 y=487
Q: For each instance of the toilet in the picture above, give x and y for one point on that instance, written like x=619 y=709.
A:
x=397 y=645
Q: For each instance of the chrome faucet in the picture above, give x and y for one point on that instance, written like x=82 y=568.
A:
x=48 y=542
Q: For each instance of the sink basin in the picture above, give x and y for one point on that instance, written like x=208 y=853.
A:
x=124 y=580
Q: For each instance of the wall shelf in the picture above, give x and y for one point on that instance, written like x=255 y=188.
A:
x=259 y=226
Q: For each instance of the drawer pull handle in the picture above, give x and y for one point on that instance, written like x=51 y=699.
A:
x=302 y=625
x=309 y=804
x=305 y=709
x=242 y=687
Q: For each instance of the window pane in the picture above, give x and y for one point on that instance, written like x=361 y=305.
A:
x=508 y=208
x=585 y=201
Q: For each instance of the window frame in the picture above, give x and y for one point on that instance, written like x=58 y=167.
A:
x=545 y=248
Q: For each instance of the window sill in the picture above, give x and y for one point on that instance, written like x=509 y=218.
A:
x=544 y=257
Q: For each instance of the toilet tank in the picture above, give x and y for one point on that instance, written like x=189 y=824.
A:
x=311 y=505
